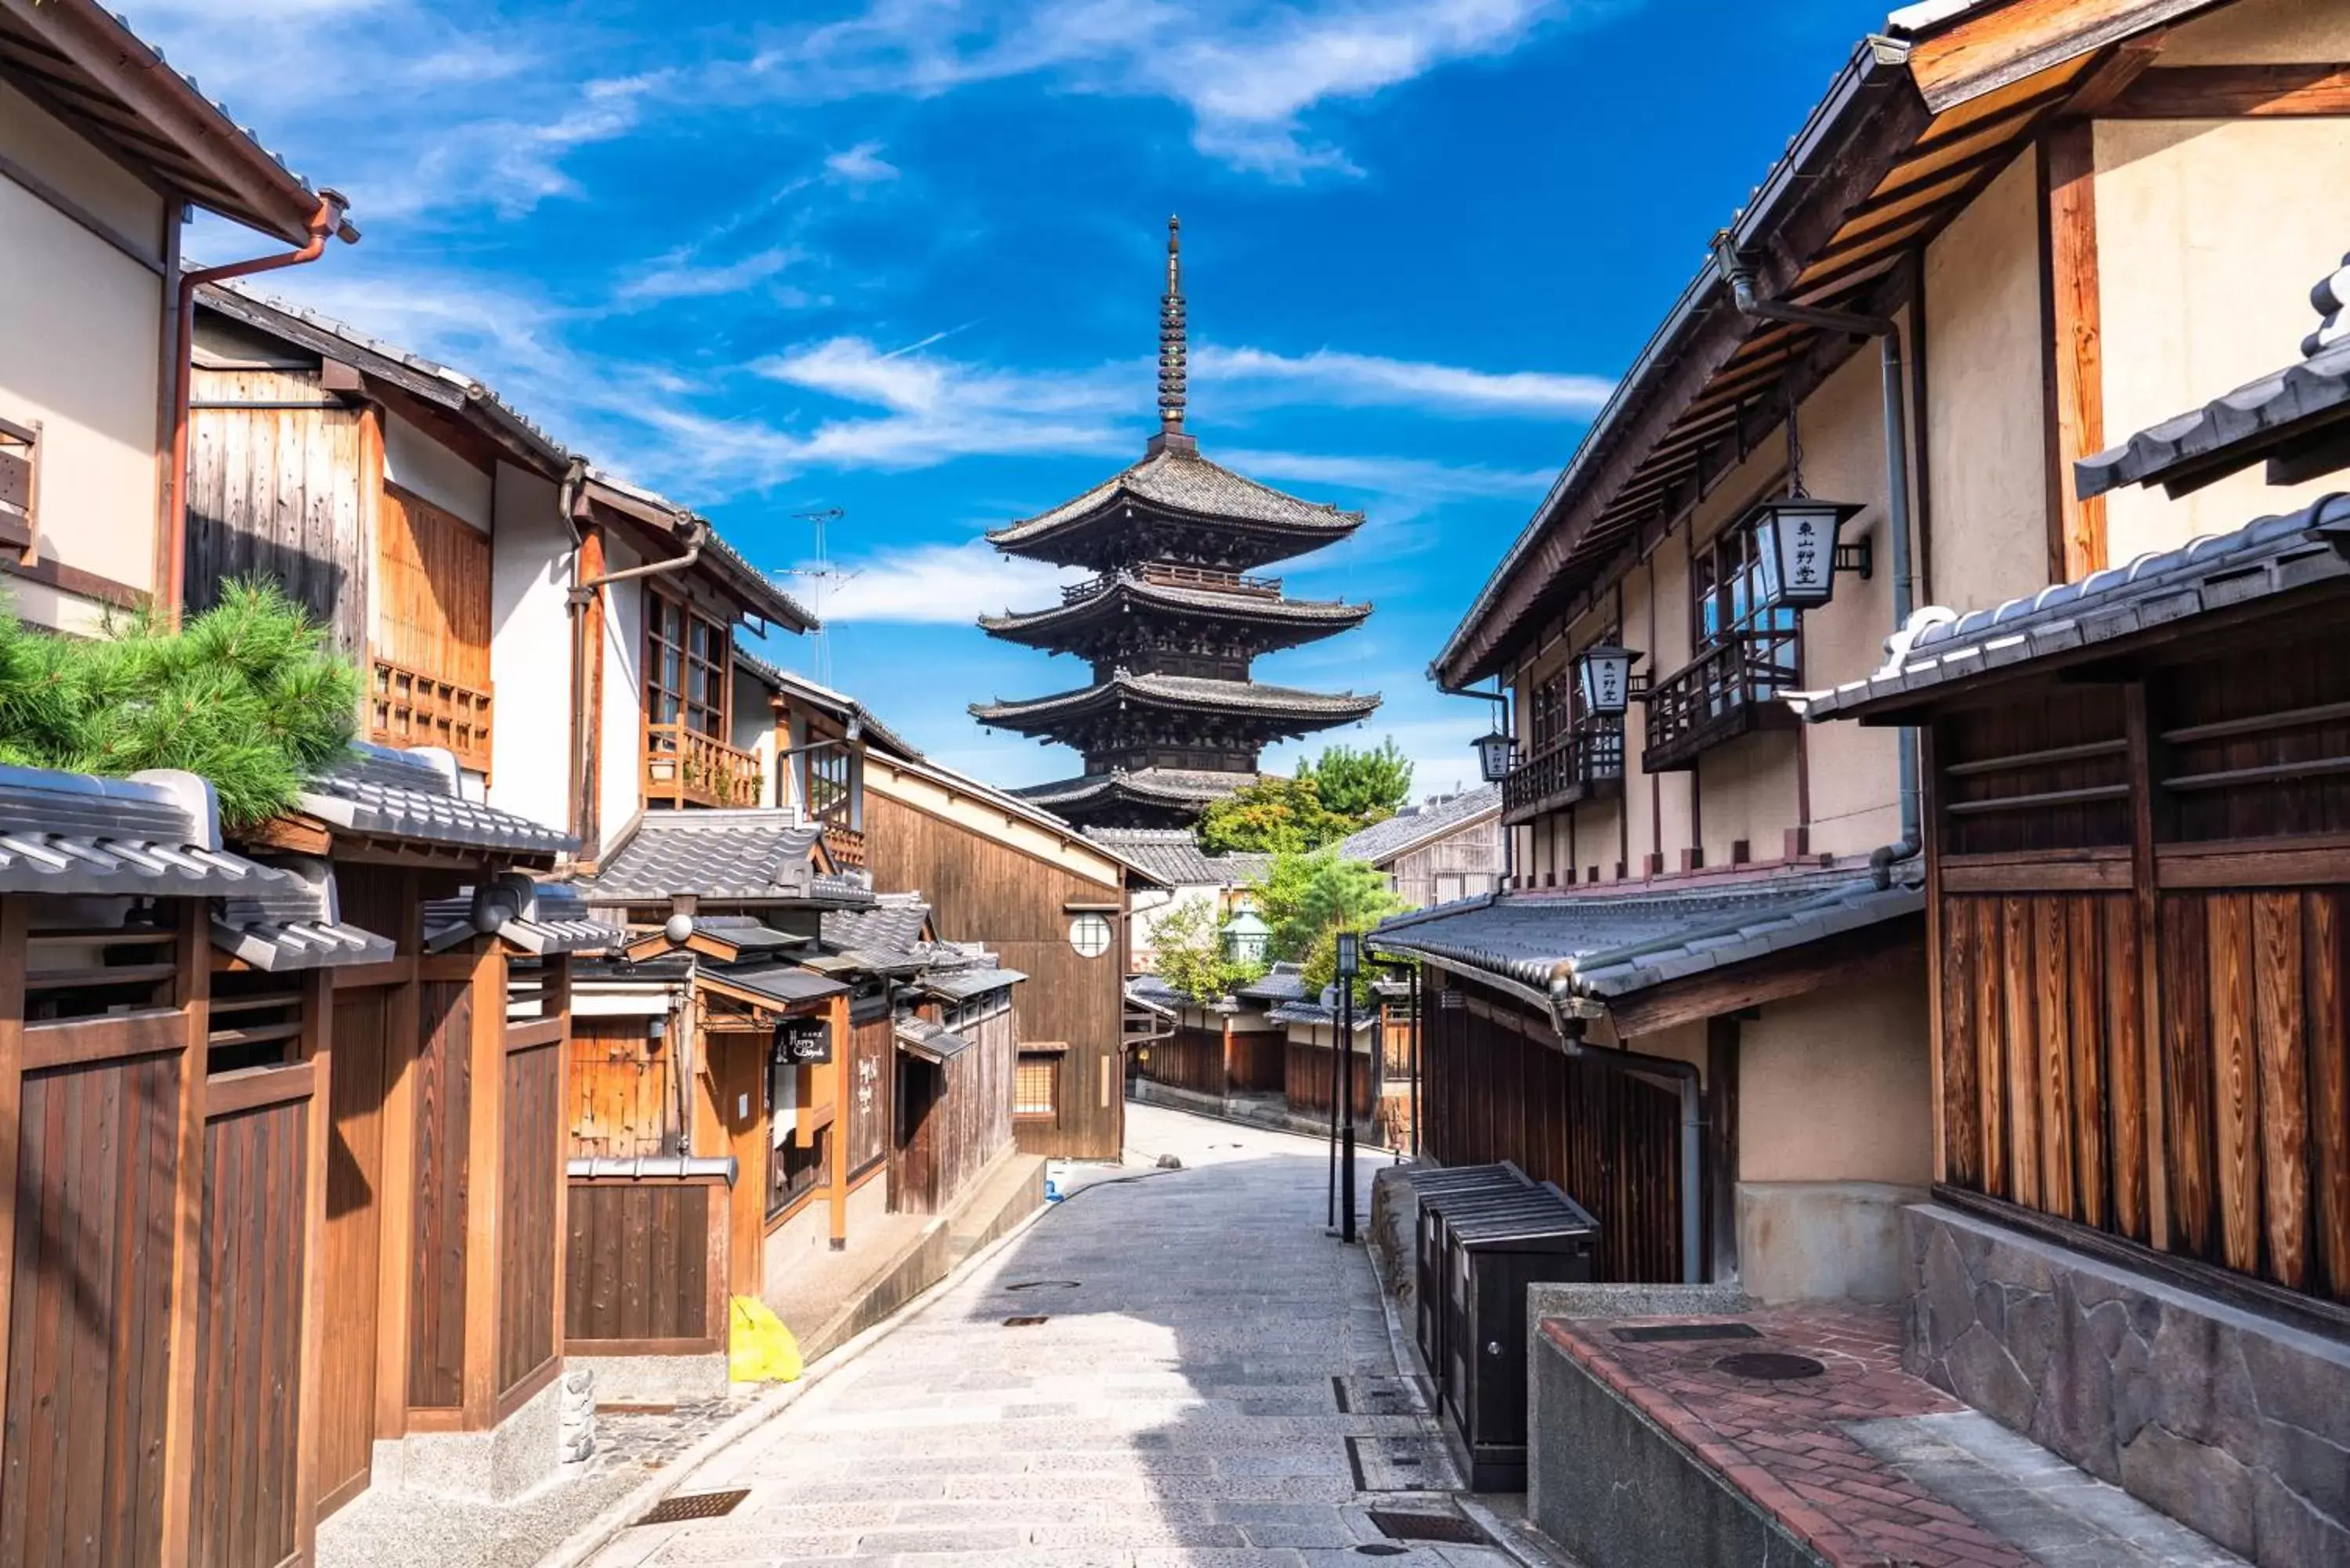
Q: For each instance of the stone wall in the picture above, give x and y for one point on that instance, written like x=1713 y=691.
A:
x=2234 y=1424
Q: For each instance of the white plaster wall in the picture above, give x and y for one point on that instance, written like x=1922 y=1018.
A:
x=418 y=463
x=1987 y=439
x=2209 y=234
x=530 y=650
x=84 y=360
x=1834 y=1085
x=2261 y=32
x=621 y=791
x=1144 y=920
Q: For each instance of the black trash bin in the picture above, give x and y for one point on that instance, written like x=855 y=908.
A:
x=1497 y=1237
x=1428 y=1184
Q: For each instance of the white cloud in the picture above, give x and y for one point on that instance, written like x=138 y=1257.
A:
x=679 y=276
x=1414 y=479
x=939 y=584
x=861 y=164
x=1329 y=376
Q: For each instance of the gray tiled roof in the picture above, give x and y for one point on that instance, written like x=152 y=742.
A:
x=156 y=836
x=1129 y=589
x=1416 y=826
x=744 y=855
x=295 y=923
x=2272 y=416
x=1168 y=786
x=892 y=921
x=1610 y=945
x=1282 y=982
x=784 y=982
x=975 y=980
x=1191 y=693
x=1183 y=481
x=378 y=792
x=2156 y=591
x=1323 y=1009
x=539 y=917
x=930 y=1042
x=1174 y=854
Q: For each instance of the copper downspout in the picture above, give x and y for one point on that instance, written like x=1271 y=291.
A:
x=327 y=222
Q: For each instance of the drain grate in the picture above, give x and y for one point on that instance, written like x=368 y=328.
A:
x=1769 y=1365
x=1655 y=1333
x=1384 y=1548
x=1028 y=1321
x=694 y=1505
x=1044 y=1285
x=1449 y=1528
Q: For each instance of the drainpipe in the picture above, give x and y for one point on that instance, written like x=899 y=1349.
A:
x=1569 y=1011
x=582 y=594
x=1740 y=277
x=326 y=222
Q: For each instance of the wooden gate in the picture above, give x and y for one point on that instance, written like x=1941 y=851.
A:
x=354 y=1246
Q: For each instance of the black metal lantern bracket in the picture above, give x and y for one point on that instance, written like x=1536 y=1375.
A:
x=1858 y=558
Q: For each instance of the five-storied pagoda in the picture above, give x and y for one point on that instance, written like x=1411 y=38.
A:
x=1170 y=622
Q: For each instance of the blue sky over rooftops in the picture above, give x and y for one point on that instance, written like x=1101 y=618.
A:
x=902 y=258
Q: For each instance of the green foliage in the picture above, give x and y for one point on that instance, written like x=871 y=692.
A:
x=1275 y=815
x=246 y=695
x=1368 y=785
x=1308 y=900
x=1187 y=949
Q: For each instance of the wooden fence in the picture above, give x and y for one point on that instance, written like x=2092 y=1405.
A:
x=647 y=1266
x=1310 y=1081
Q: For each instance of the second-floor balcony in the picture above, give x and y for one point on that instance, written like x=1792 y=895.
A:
x=1166 y=573
x=1731 y=689
x=845 y=845
x=410 y=707
x=1585 y=765
x=685 y=767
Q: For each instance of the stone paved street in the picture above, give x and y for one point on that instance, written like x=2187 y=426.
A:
x=1177 y=1405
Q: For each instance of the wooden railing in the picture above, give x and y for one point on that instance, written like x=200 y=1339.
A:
x=685 y=767
x=1726 y=691
x=1169 y=575
x=1564 y=771
x=845 y=845
x=409 y=708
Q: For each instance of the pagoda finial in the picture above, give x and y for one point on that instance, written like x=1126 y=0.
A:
x=1172 y=349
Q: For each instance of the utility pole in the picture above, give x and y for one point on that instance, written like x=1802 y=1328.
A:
x=819 y=576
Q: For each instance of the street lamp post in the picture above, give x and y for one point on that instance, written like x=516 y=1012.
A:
x=1349 y=964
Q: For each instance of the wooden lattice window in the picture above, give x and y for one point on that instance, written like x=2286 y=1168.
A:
x=1726 y=580
x=20 y=486
x=685 y=666
x=1036 y=1085
x=826 y=775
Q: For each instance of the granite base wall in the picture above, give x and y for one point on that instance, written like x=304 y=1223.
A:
x=516 y=1457
x=1822 y=1240
x=2235 y=1425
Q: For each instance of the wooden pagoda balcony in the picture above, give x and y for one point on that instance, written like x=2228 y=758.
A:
x=1169 y=575
x=410 y=707
x=1587 y=765
x=685 y=767
x=1731 y=689
x=845 y=845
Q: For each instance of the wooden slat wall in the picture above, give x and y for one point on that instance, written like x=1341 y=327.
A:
x=96 y=1172
x=432 y=592
x=354 y=1245
x=249 y=1332
x=1495 y=1089
x=639 y=1265
x=872 y=1053
x=443 y=1095
x=531 y=1177
x=1189 y=1059
x=1258 y=1063
x=2045 y=1070
x=278 y=492
x=1311 y=1084
x=980 y=890
x=971 y=1123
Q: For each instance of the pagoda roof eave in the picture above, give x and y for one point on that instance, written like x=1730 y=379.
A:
x=1181 y=693
x=1183 y=487
x=1151 y=786
x=1312 y=617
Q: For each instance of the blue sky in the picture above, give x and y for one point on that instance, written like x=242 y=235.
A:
x=901 y=257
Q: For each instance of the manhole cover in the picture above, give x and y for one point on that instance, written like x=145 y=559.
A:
x=1044 y=1285
x=1449 y=1528
x=1670 y=1331
x=1769 y=1365
x=1027 y=1322
x=694 y=1505
x=1384 y=1548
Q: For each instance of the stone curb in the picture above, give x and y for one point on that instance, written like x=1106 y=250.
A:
x=598 y=1533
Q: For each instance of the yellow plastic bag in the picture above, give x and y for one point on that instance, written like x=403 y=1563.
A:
x=759 y=1348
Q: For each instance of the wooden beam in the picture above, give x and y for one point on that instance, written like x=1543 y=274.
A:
x=396 y=1233
x=13 y=922
x=1994 y=46
x=484 y=1185
x=317 y=1055
x=2075 y=349
x=193 y=994
x=2320 y=89
x=1855 y=957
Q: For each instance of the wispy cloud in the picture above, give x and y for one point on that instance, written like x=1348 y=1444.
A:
x=1409 y=478
x=1332 y=377
x=939 y=585
x=679 y=276
x=861 y=165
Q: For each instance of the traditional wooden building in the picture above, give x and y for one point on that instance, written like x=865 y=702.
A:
x=2004 y=227
x=1188 y=875
x=1448 y=847
x=2138 y=896
x=1171 y=622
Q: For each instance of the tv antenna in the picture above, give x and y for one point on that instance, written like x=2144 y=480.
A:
x=819 y=575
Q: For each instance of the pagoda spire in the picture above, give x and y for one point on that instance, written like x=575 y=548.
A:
x=1173 y=346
